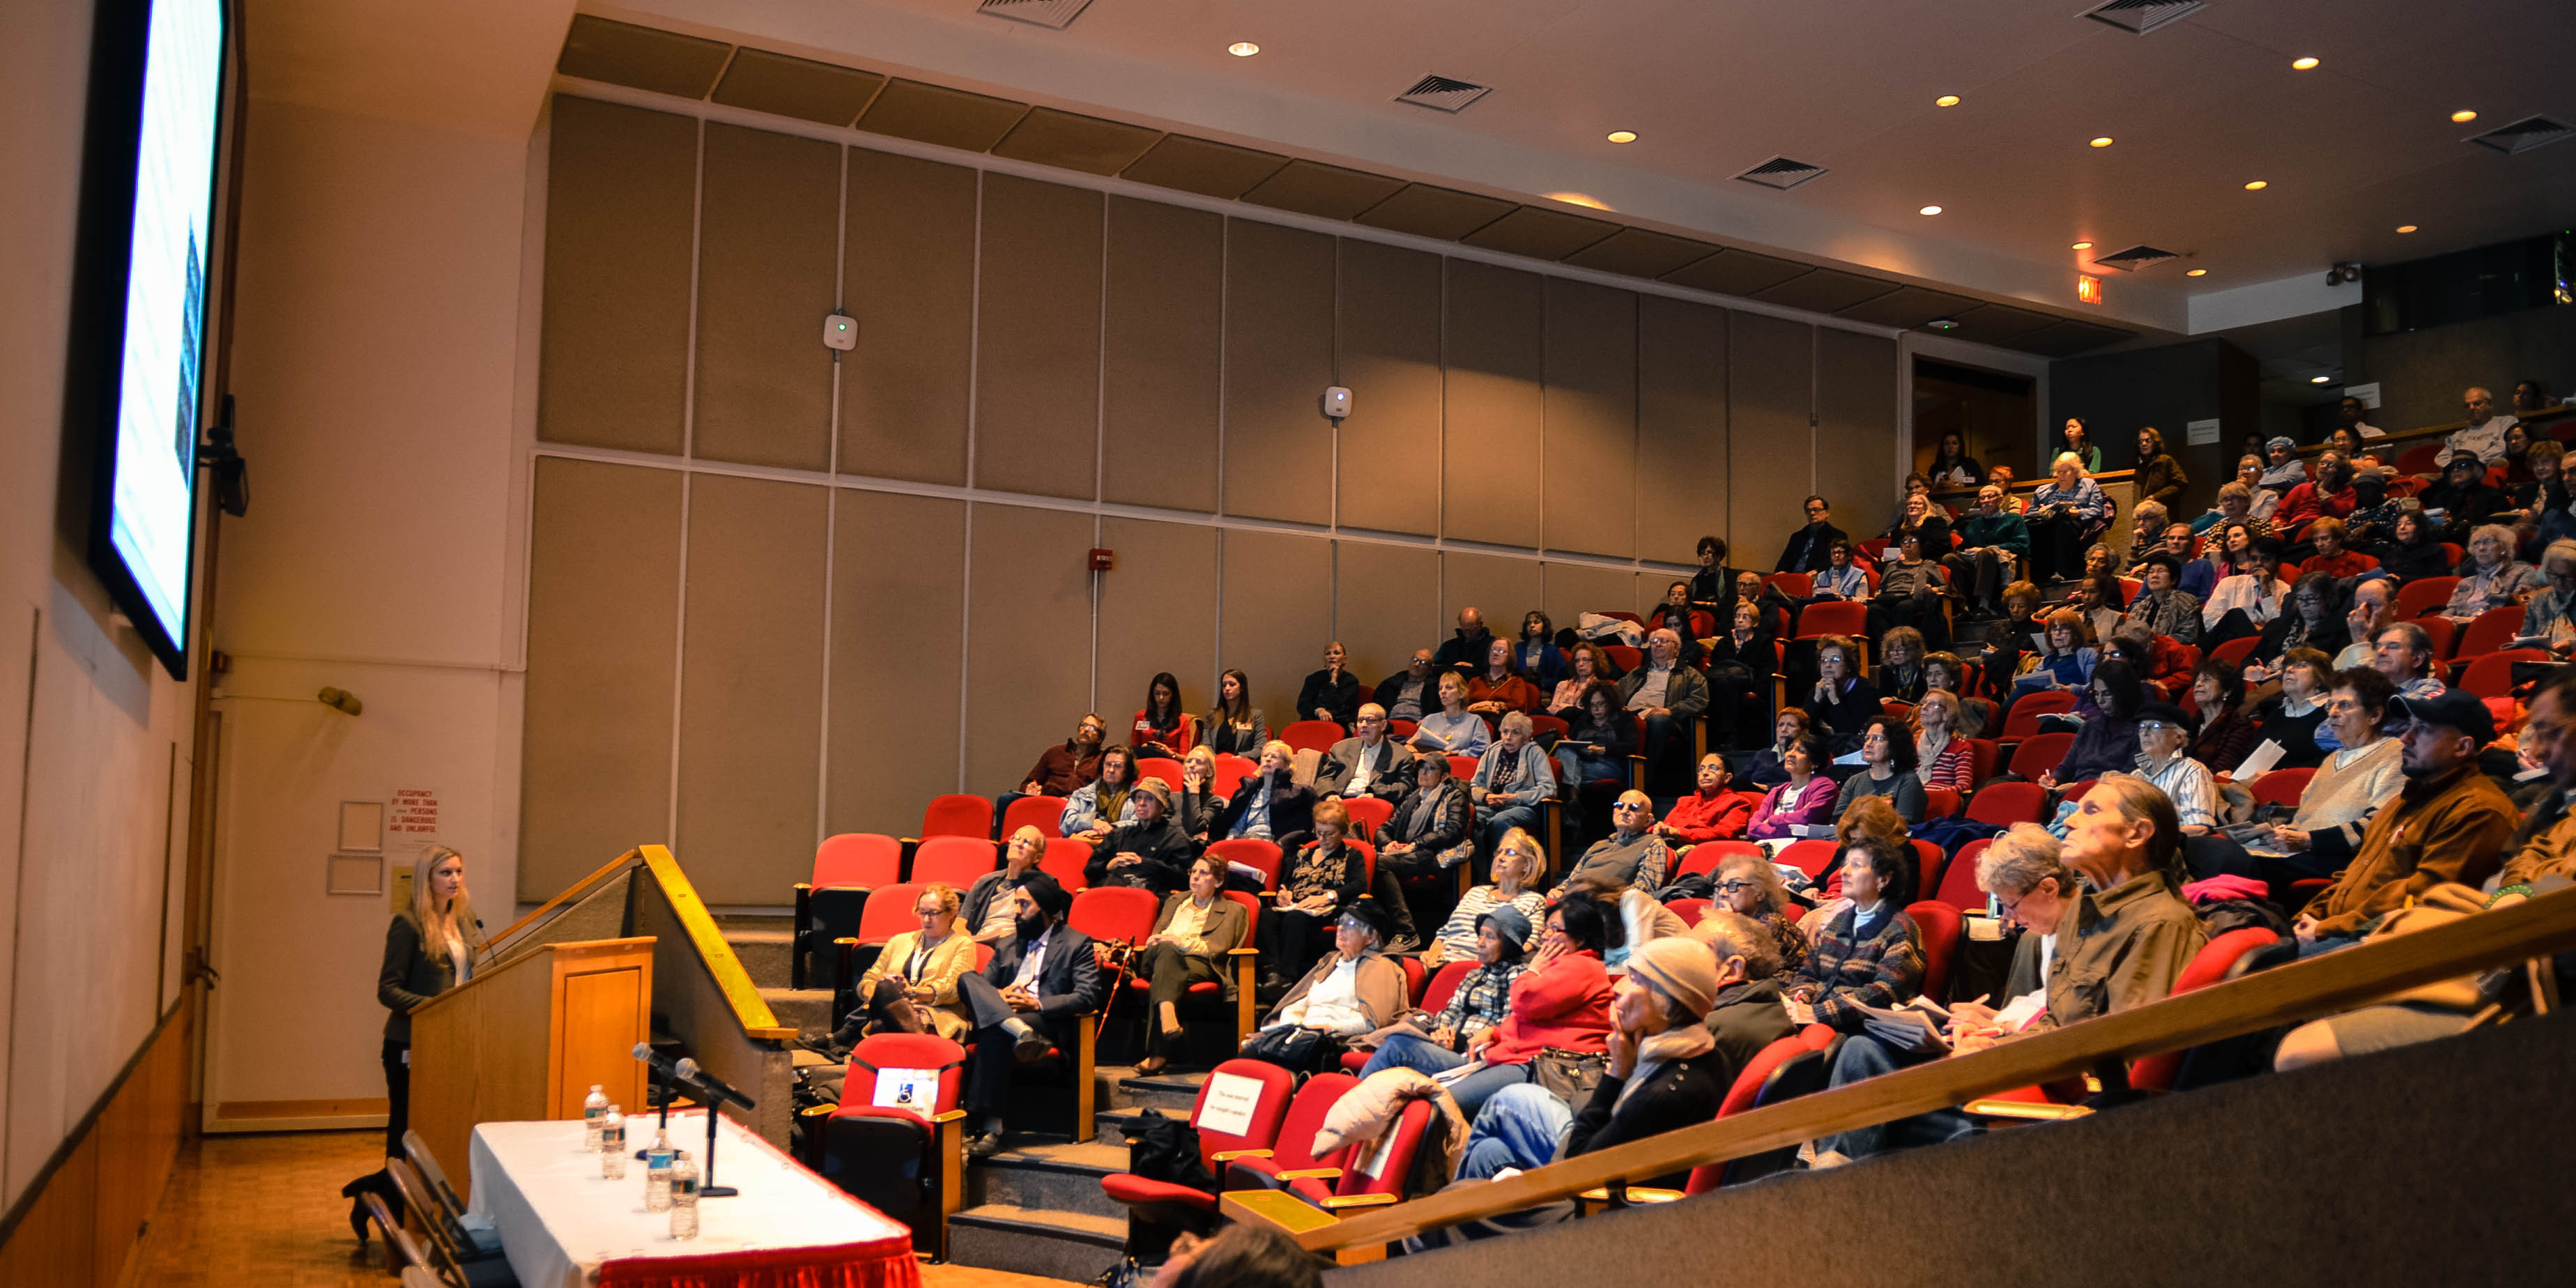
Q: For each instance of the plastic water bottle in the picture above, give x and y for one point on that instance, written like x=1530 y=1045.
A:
x=593 y=1108
x=657 y=1173
x=684 y=1197
x=612 y=1145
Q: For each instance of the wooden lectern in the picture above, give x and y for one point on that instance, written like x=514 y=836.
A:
x=526 y=1038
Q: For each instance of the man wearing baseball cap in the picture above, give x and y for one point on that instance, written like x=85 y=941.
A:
x=2449 y=823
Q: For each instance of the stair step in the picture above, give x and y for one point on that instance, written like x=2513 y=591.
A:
x=1171 y=1091
x=809 y=1009
x=1049 y=1174
x=765 y=953
x=1035 y=1241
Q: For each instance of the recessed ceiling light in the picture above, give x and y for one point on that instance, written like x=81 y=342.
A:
x=1929 y=210
x=2102 y=141
x=2303 y=64
x=2197 y=272
x=2464 y=116
x=1946 y=100
x=2257 y=186
x=2405 y=228
x=1243 y=49
x=2319 y=380
x=1623 y=136
x=1578 y=199
x=2083 y=245
x=1943 y=324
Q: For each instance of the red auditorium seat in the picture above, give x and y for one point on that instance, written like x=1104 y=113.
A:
x=1706 y=856
x=1045 y=813
x=2040 y=753
x=2004 y=804
x=1939 y=923
x=1067 y=860
x=2490 y=631
x=863 y=859
x=2423 y=595
x=1959 y=880
x=2024 y=720
x=1221 y=1137
x=1368 y=814
x=1292 y=1146
x=2282 y=787
x=2492 y=676
x=1252 y=852
x=897 y=1159
x=957 y=860
x=1311 y=735
x=957 y=814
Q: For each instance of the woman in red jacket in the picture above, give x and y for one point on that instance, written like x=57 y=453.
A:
x=1561 y=1001
x=1712 y=813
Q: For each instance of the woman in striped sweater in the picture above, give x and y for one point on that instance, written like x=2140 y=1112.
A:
x=1941 y=757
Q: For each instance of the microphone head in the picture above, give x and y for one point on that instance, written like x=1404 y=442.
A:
x=687 y=1067
x=643 y=1051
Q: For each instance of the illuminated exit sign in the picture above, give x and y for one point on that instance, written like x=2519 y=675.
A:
x=2088 y=288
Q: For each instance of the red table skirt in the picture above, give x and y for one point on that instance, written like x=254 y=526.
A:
x=885 y=1263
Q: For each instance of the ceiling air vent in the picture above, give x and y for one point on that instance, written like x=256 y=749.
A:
x=2134 y=258
x=2143 y=16
x=1781 y=173
x=1058 y=14
x=2524 y=135
x=1442 y=94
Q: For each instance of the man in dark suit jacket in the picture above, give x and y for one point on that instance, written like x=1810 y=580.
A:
x=1418 y=676
x=1389 y=763
x=1809 y=545
x=1031 y=998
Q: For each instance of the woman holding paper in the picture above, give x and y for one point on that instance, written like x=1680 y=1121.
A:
x=912 y=987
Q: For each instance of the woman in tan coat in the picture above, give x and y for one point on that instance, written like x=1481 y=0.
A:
x=912 y=987
x=1192 y=936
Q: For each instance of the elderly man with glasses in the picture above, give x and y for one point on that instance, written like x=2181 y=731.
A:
x=1631 y=856
x=2164 y=732
x=1408 y=693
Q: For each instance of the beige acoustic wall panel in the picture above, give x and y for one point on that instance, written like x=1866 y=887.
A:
x=1856 y=395
x=1388 y=334
x=1037 y=359
x=1159 y=402
x=1277 y=609
x=603 y=603
x=1157 y=613
x=768 y=246
x=1503 y=587
x=1681 y=430
x=898 y=606
x=908 y=274
x=1575 y=589
x=1028 y=638
x=1489 y=449
x=1386 y=603
x=751 y=687
x=1278 y=362
x=1770 y=448
x=1591 y=430
x=621 y=205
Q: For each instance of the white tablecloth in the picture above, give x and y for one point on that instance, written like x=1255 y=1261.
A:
x=560 y=1221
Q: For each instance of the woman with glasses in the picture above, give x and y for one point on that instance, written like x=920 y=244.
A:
x=1748 y=884
x=1562 y=1003
x=1518 y=863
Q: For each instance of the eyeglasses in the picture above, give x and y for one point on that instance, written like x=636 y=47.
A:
x=1730 y=887
x=1815 y=509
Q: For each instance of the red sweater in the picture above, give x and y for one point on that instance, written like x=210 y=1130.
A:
x=1565 y=1003
x=1700 y=817
x=2351 y=563
x=2304 y=503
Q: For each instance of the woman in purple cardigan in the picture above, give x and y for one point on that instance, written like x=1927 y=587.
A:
x=1808 y=796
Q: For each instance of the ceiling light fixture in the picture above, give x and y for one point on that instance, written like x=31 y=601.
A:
x=2303 y=64
x=1578 y=199
x=2197 y=272
x=2257 y=186
x=1946 y=100
x=1243 y=49
x=2463 y=116
x=1623 y=136
x=2405 y=228
x=1929 y=210
x=2319 y=380
x=2083 y=245
x=1942 y=324
x=2102 y=141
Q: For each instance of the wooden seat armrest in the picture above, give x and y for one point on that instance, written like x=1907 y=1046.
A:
x=1636 y=1194
x=804 y=887
x=846 y=941
x=1339 y=1201
x=2024 y=1109
x=953 y=1115
x=1243 y=952
x=1312 y=1173
x=909 y=842
x=1229 y=1155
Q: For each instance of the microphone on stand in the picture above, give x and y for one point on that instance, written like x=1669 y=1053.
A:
x=715 y=1090
x=709 y=1083
x=669 y=1075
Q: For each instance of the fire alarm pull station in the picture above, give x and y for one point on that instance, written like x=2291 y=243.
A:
x=1103 y=560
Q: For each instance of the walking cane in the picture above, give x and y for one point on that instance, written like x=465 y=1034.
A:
x=1120 y=951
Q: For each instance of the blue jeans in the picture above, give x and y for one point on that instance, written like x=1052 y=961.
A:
x=1404 y=1051
x=2325 y=944
x=1502 y=821
x=1519 y=1127
x=1867 y=1057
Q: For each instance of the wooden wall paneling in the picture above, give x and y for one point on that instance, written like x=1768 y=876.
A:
x=621 y=197
x=768 y=249
x=1277 y=612
x=1157 y=613
x=898 y=603
x=1856 y=393
x=1028 y=638
x=1492 y=404
x=1575 y=589
x=1503 y=587
x=1037 y=360
x=1591 y=419
x=1770 y=448
x=603 y=597
x=908 y=273
x=1386 y=603
x=1160 y=398
x=1388 y=340
x=751 y=686
x=1278 y=362
x=1681 y=430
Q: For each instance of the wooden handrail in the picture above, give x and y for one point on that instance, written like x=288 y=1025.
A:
x=749 y=1008
x=2265 y=999
x=563 y=896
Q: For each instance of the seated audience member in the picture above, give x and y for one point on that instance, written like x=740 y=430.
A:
x=1162 y=728
x=1451 y=729
x=912 y=986
x=1464 y=650
x=1268 y=804
x=2257 y=503
x=1498 y=942
x=1804 y=798
x=1919 y=516
x=1192 y=935
x=1198 y=806
x=2108 y=741
x=1235 y=727
x=1323 y=879
x=2164 y=760
x=1711 y=812
x=1952 y=468
x=1665 y=695
x=1869 y=953
x=1349 y=992
x=1713 y=586
x=2296 y=716
x=1368 y=763
x=2333 y=557
x=1750 y=886
x=1742 y=662
x=1563 y=1001
x=1104 y=802
x=1499 y=688
x=2373 y=521
x=1425 y=837
x=1511 y=779
x=2244 y=604
x=2314 y=620
x=2490 y=577
x=1946 y=672
x=1586 y=665
x=1871 y=818
x=1993 y=542
x=1806 y=549
x=1542 y=663
x=2079 y=444
x=2068 y=659
x=1518 y=861
x=2226 y=735
x=2483 y=436
x=1595 y=747
x=2156 y=658
x=2160 y=478
x=1332 y=693
x=1841 y=703
x=2328 y=494
x=2549 y=616
x=2463 y=501
x=2404 y=653
x=1887 y=769
x=2201 y=575
x=1841 y=579
x=2116 y=942
x=1942 y=757
x=1409 y=693
x=2164 y=607
x=1747 y=1013
x=1028 y=1002
x=2369 y=614
x=2349 y=415
x=1900 y=665
x=1769 y=767
x=1642 y=917
x=2066 y=514
x=2025 y=619
x=2146 y=526
x=2448 y=823
x=2531 y=396
x=1631 y=856
x=1674 y=614
x=2355 y=780
x=2100 y=599
x=2002 y=476
x=2283 y=470
x=2541 y=511
x=1149 y=853
x=987 y=913
x=2417 y=552
x=1066 y=767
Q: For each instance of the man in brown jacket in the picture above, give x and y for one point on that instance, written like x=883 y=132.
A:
x=2449 y=823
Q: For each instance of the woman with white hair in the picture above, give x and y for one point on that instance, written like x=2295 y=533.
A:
x=2547 y=619
x=2490 y=577
x=1511 y=779
x=1268 y=804
x=2066 y=514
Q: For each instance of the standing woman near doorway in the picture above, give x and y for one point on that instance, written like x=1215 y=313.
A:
x=429 y=949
